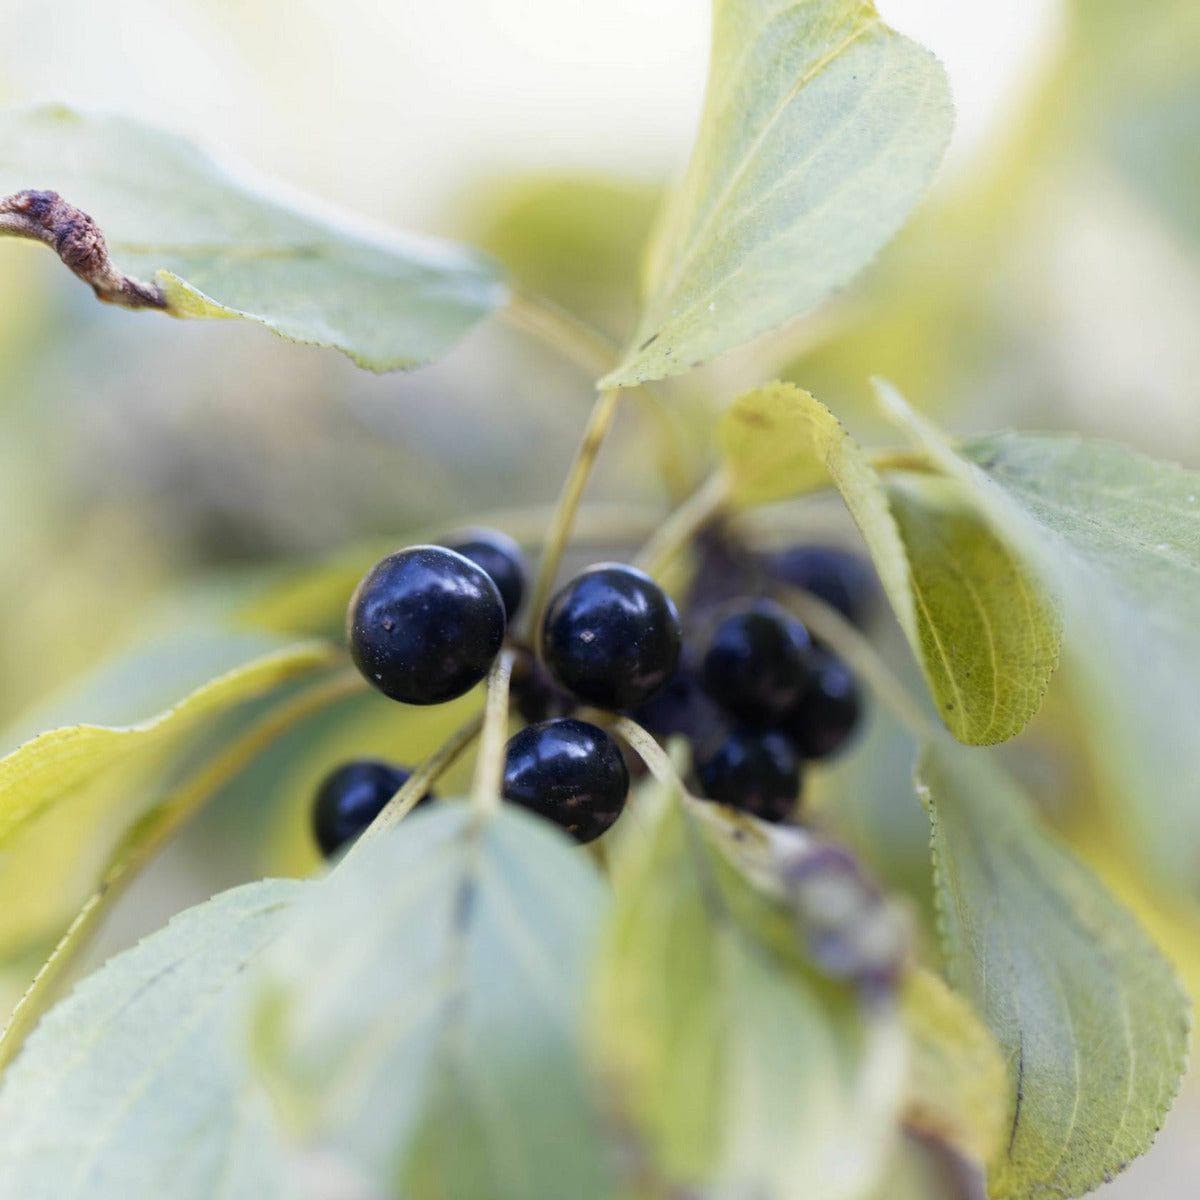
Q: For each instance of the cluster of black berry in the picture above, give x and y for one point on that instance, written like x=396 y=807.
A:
x=426 y=624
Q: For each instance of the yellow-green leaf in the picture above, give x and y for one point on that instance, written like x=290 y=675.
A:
x=70 y=796
x=985 y=634
x=216 y=245
x=744 y=1070
x=1090 y=1017
x=135 y=1086
x=1115 y=536
x=958 y=1089
x=821 y=129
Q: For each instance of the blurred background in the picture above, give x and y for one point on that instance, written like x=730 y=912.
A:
x=1051 y=281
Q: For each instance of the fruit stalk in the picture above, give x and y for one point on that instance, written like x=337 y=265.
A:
x=489 y=767
x=599 y=423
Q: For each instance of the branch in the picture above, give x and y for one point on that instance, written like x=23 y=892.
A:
x=76 y=238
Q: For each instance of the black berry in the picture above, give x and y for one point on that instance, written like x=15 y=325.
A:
x=754 y=771
x=501 y=558
x=425 y=625
x=611 y=636
x=842 y=579
x=350 y=798
x=569 y=772
x=756 y=665
x=828 y=711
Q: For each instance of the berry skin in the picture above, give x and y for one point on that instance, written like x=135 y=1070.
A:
x=829 y=711
x=501 y=558
x=757 y=663
x=569 y=772
x=842 y=579
x=756 y=772
x=350 y=798
x=611 y=637
x=425 y=625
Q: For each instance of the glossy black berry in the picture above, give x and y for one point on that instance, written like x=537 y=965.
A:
x=425 y=625
x=844 y=580
x=501 y=558
x=350 y=798
x=828 y=711
x=758 y=772
x=569 y=772
x=756 y=665
x=682 y=709
x=611 y=636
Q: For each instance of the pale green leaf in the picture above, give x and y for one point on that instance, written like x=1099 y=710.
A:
x=1090 y=1017
x=420 y=1019
x=821 y=129
x=986 y=637
x=135 y=1085
x=70 y=796
x=219 y=246
x=744 y=1070
x=958 y=1089
x=1116 y=537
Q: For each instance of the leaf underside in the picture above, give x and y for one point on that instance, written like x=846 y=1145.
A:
x=437 y=1049
x=1115 y=537
x=1091 y=1019
x=217 y=245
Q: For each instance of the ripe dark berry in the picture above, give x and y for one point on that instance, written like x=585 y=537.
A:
x=682 y=709
x=754 y=771
x=425 y=625
x=350 y=798
x=828 y=712
x=611 y=636
x=501 y=558
x=756 y=665
x=569 y=772
x=842 y=579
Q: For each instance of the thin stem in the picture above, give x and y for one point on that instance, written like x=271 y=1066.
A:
x=147 y=838
x=845 y=640
x=489 y=768
x=575 y=340
x=657 y=760
x=683 y=524
x=426 y=774
x=599 y=423
x=596 y=354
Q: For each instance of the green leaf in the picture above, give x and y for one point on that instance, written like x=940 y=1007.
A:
x=1116 y=537
x=135 y=1086
x=821 y=129
x=69 y=797
x=745 y=1070
x=218 y=246
x=1091 y=1019
x=436 y=1049
x=986 y=637
x=958 y=1089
